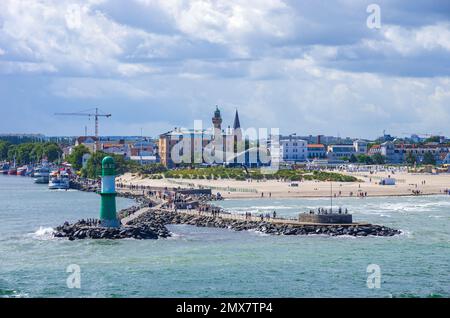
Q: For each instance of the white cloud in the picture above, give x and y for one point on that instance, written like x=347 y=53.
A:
x=73 y=38
x=409 y=41
x=231 y=23
x=279 y=62
x=7 y=67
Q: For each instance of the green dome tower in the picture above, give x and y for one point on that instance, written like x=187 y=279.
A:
x=108 y=217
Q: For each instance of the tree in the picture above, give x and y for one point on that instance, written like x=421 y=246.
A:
x=93 y=167
x=51 y=151
x=365 y=159
x=23 y=152
x=378 y=159
x=4 y=145
x=353 y=158
x=76 y=157
x=428 y=159
x=37 y=153
x=433 y=139
x=410 y=158
x=27 y=152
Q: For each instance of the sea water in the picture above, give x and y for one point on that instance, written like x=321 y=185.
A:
x=209 y=262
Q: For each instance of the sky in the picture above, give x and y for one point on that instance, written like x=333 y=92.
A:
x=309 y=67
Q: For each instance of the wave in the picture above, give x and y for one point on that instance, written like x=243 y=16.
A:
x=43 y=233
x=7 y=293
x=412 y=207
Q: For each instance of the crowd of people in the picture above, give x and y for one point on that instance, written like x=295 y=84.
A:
x=322 y=211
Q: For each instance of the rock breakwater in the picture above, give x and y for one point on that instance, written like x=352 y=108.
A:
x=168 y=217
x=92 y=230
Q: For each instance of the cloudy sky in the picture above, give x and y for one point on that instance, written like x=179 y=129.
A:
x=304 y=66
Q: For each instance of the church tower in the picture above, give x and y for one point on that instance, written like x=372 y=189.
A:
x=237 y=132
x=217 y=119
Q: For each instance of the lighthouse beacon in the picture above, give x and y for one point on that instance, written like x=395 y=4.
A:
x=108 y=217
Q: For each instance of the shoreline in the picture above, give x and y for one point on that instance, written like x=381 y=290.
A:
x=407 y=185
x=328 y=197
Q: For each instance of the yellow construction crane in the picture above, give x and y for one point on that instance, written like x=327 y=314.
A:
x=96 y=115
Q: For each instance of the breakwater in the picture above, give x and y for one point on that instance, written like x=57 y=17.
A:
x=268 y=227
x=91 y=229
x=150 y=223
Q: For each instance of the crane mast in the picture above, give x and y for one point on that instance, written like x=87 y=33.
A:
x=96 y=116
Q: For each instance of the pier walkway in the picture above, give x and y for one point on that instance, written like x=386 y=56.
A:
x=224 y=215
x=136 y=214
x=254 y=218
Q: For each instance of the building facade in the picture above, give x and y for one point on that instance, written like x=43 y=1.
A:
x=360 y=147
x=338 y=152
x=293 y=150
x=317 y=151
x=193 y=146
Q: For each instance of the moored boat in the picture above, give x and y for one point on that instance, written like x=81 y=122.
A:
x=59 y=180
x=41 y=174
x=4 y=168
x=22 y=171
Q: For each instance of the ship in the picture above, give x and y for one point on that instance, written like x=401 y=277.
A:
x=4 y=168
x=41 y=174
x=12 y=171
x=59 y=180
x=22 y=171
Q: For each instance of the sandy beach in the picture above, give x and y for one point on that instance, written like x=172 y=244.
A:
x=406 y=183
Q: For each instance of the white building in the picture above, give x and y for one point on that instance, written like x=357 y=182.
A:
x=144 y=159
x=337 y=152
x=87 y=141
x=293 y=150
x=360 y=147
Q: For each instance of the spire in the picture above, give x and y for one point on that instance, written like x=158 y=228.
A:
x=217 y=112
x=236 y=124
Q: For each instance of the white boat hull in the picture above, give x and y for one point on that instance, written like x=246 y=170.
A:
x=41 y=179
x=59 y=185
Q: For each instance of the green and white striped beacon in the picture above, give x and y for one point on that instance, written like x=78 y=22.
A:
x=108 y=217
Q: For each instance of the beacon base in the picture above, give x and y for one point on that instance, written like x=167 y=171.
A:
x=109 y=223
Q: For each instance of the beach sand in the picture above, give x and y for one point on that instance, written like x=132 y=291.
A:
x=406 y=183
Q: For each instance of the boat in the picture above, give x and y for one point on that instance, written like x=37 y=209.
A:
x=22 y=171
x=4 y=168
x=12 y=171
x=41 y=174
x=59 y=180
x=29 y=172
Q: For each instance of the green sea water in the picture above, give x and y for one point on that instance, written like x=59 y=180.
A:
x=208 y=262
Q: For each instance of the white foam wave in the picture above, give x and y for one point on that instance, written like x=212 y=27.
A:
x=414 y=207
x=43 y=233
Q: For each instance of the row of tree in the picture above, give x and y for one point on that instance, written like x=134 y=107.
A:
x=93 y=166
x=379 y=159
x=29 y=152
x=428 y=159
